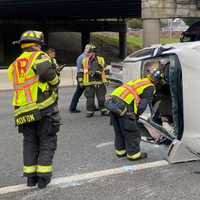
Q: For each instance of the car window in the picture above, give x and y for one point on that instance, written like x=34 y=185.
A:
x=142 y=53
x=159 y=62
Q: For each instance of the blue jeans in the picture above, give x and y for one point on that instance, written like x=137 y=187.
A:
x=77 y=94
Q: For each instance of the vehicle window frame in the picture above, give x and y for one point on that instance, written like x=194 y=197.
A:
x=174 y=64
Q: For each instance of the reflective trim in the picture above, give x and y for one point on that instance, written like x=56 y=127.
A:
x=85 y=64
x=120 y=152
x=44 y=169
x=48 y=101
x=40 y=106
x=26 y=108
x=30 y=169
x=28 y=67
x=27 y=83
x=133 y=92
x=54 y=81
x=134 y=156
x=29 y=98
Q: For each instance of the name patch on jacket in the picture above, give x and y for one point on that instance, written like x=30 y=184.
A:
x=27 y=117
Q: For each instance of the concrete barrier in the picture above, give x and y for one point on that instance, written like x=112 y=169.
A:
x=67 y=78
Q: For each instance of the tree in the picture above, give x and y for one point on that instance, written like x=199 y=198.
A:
x=135 y=23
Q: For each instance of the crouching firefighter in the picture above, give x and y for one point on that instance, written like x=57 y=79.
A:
x=126 y=103
x=35 y=107
x=93 y=76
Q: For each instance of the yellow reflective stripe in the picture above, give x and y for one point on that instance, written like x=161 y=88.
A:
x=104 y=109
x=48 y=101
x=120 y=152
x=85 y=71
x=44 y=169
x=30 y=169
x=54 y=81
x=40 y=106
x=25 y=109
x=27 y=83
x=134 y=156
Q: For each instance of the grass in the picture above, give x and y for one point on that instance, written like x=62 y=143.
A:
x=137 y=41
x=107 y=44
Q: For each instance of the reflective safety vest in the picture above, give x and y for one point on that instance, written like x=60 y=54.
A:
x=132 y=90
x=26 y=83
x=86 y=72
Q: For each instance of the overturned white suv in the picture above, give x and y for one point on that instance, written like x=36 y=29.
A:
x=181 y=95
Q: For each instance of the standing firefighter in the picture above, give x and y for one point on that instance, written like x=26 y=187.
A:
x=93 y=76
x=126 y=103
x=36 y=111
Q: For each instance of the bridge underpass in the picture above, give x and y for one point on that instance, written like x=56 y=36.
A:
x=85 y=27
x=84 y=16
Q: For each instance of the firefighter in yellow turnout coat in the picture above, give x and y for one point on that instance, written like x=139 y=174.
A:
x=35 y=107
x=126 y=103
x=93 y=76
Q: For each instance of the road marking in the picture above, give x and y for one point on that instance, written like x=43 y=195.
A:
x=73 y=180
x=104 y=144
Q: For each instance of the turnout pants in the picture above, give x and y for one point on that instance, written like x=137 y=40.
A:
x=90 y=91
x=39 y=145
x=127 y=134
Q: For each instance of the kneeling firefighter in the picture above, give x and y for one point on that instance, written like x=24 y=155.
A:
x=126 y=103
x=35 y=107
x=93 y=76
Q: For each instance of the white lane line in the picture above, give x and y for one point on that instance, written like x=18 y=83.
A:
x=104 y=144
x=71 y=180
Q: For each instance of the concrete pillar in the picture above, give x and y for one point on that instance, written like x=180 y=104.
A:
x=85 y=39
x=151 y=32
x=122 y=45
x=2 y=50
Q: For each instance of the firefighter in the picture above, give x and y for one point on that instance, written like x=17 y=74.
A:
x=126 y=103
x=35 y=107
x=52 y=54
x=93 y=76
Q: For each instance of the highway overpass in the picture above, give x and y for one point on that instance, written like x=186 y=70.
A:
x=86 y=16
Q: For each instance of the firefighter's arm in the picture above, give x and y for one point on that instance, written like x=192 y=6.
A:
x=146 y=98
x=44 y=69
x=10 y=72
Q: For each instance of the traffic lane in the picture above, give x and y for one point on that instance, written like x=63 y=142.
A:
x=83 y=144
x=170 y=182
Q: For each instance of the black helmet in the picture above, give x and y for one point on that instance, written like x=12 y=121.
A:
x=155 y=75
x=31 y=37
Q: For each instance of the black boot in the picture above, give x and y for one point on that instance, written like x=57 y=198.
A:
x=32 y=181
x=89 y=114
x=43 y=181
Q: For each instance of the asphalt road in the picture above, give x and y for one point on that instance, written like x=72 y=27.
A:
x=86 y=146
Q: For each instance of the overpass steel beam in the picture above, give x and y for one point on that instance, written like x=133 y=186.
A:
x=65 y=26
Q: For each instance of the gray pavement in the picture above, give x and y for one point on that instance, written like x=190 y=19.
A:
x=85 y=146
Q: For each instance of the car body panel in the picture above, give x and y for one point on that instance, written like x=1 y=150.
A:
x=188 y=55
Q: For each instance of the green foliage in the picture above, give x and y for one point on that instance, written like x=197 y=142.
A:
x=190 y=21
x=135 y=23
